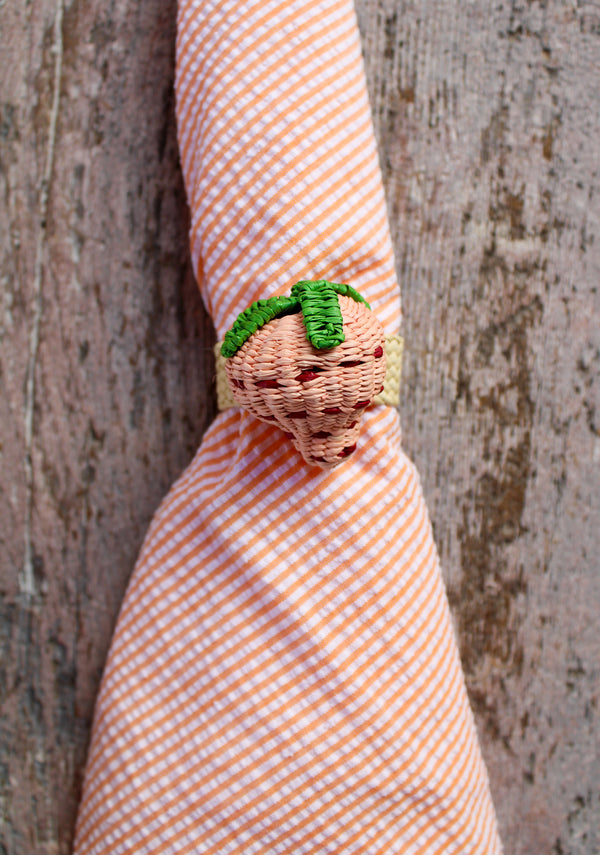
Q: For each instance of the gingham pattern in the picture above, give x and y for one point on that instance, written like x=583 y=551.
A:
x=283 y=676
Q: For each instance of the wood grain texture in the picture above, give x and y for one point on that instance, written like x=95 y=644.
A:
x=487 y=119
x=487 y=116
x=121 y=369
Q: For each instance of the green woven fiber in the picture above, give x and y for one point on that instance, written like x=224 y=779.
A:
x=320 y=307
x=255 y=316
x=321 y=310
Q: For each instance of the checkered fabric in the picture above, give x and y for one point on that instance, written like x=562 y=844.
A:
x=283 y=676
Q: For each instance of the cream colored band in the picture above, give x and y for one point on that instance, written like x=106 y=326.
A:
x=394 y=346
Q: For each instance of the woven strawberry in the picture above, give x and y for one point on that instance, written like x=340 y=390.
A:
x=310 y=363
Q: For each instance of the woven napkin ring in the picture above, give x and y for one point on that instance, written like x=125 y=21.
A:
x=311 y=363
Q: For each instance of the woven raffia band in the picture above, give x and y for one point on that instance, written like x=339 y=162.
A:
x=311 y=363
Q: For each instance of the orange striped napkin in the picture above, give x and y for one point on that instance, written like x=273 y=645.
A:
x=283 y=677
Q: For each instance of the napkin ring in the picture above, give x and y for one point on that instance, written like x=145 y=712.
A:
x=310 y=363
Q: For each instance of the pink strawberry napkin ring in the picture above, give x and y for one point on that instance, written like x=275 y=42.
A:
x=310 y=363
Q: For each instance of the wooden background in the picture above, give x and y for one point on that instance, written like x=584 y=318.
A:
x=488 y=120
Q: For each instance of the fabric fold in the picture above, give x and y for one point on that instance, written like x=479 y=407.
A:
x=283 y=676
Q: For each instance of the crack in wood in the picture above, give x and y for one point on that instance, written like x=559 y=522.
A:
x=27 y=578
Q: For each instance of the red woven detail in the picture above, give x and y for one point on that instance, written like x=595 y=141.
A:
x=267 y=384
x=378 y=352
x=332 y=411
x=309 y=374
x=347 y=451
x=361 y=405
x=302 y=414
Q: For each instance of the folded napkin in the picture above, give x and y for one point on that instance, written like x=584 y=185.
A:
x=283 y=677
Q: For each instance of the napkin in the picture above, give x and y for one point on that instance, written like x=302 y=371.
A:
x=284 y=676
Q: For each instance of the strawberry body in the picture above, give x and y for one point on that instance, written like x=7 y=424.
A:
x=316 y=396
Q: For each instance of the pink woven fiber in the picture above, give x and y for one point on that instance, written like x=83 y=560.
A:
x=316 y=397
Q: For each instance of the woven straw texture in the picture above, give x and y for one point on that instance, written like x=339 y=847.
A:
x=283 y=676
x=393 y=347
x=316 y=397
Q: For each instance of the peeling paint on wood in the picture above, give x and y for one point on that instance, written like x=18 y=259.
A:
x=487 y=120
x=105 y=370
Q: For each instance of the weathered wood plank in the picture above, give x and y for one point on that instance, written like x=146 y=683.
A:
x=121 y=370
x=486 y=116
x=487 y=119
